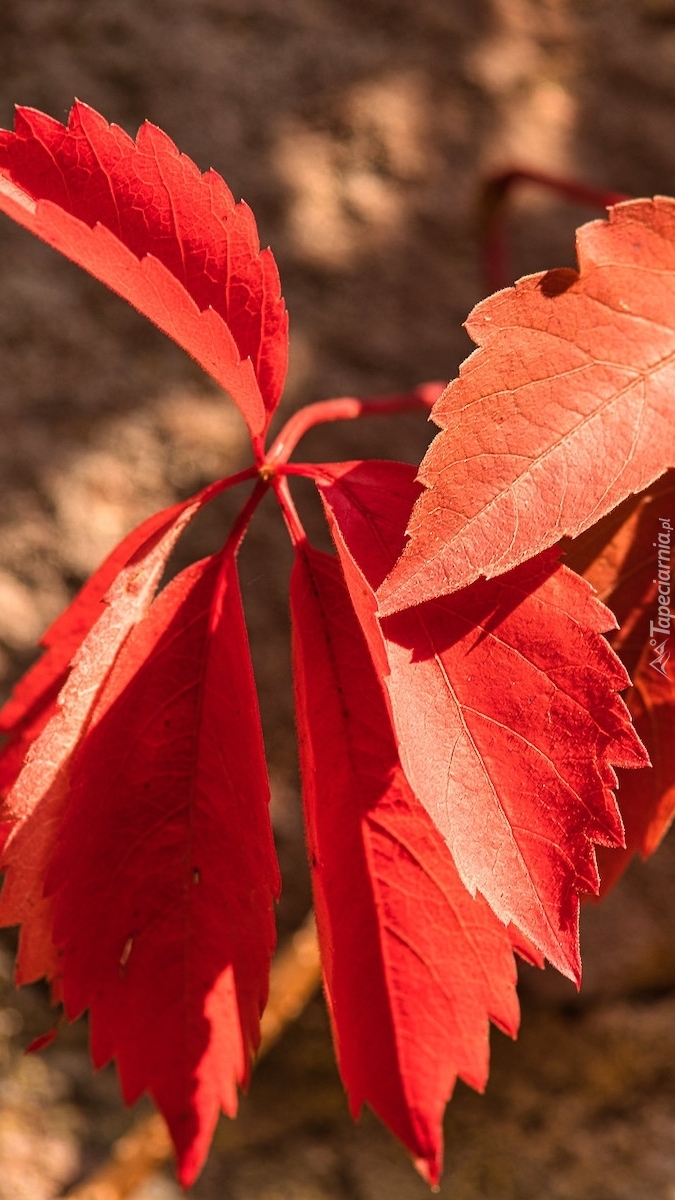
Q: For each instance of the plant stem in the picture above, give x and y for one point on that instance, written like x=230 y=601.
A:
x=222 y=485
x=241 y=523
x=290 y=512
x=492 y=206
x=347 y=408
x=231 y=547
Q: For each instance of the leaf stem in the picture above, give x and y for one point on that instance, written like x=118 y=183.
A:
x=290 y=512
x=222 y=485
x=304 y=470
x=347 y=408
x=492 y=205
x=231 y=547
x=241 y=523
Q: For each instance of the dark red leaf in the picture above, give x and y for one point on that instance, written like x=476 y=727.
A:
x=36 y=801
x=163 y=878
x=33 y=699
x=140 y=216
x=504 y=702
x=564 y=410
x=414 y=967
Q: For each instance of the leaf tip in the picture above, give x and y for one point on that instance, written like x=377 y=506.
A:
x=39 y=1043
x=430 y=1167
x=392 y=593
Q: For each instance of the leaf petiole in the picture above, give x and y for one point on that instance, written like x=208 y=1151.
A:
x=289 y=511
x=242 y=521
x=492 y=205
x=347 y=408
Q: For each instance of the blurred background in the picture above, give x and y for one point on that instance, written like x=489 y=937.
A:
x=359 y=131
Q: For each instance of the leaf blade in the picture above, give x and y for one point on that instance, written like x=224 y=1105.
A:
x=620 y=558
x=140 y=217
x=510 y=671
x=395 y=922
x=164 y=876
x=61 y=640
x=37 y=787
x=562 y=412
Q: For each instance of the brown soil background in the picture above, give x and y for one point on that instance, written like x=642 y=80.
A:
x=359 y=132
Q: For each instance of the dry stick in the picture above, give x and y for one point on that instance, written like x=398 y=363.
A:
x=295 y=976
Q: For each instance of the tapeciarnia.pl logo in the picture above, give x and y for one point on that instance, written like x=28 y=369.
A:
x=661 y=626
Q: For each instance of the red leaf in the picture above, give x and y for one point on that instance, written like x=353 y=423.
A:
x=38 y=797
x=504 y=702
x=564 y=410
x=139 y=216
x=164 y=874
x=646 y=800
x=414 y=967
x=619 y=557
x=14 y=749
x=39 y=1043
x=33 y=700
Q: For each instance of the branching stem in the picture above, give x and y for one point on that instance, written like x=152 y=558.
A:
x=229 y=481
x=347 y=408
x=492 y=208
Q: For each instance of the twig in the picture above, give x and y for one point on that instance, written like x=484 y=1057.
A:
x=295 y=976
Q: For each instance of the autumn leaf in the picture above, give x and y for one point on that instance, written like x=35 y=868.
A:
x=413 y=966
x=164 y=874
x=504 y=700
x=33 y=699
x=564 y=411
x=37 y=799
x=140 y=216
x=619 y=557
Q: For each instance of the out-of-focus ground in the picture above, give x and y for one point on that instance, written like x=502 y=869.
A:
x=358 y=130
